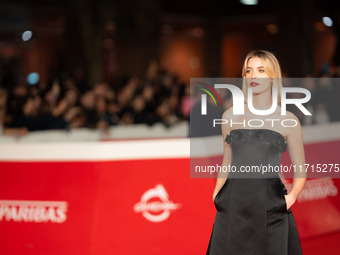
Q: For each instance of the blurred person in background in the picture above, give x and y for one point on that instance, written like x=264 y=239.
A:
x=105 y=118
x=88 y=104
x=139 y=112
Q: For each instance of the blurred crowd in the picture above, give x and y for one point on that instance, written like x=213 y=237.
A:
x=68 y=103
x=324 y=103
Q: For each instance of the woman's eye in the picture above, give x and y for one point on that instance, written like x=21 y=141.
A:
x=248 y=71
x=261 y=71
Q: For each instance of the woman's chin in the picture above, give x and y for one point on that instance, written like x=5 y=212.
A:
x=258 y=89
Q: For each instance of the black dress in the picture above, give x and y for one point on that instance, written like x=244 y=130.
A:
x=252 y=216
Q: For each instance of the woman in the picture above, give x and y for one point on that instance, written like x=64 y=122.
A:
x=253 y=210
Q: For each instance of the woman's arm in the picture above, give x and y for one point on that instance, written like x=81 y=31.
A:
x=297 y=158
x=222 y=176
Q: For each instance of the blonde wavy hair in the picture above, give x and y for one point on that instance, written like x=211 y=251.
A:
x=271 y=67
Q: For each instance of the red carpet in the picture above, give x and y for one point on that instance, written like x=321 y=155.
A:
x=325 y=244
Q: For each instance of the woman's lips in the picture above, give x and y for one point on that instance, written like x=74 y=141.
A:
x=253 y=84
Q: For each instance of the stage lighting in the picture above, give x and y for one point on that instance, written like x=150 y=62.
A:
x=27 y=35
x=249 y=2
x=327 y=21
x=33 y=78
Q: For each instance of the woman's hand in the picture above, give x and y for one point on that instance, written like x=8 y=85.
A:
x=290 y=200
x=214 y=195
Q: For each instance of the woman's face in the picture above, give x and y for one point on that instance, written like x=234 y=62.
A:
x=256 y=76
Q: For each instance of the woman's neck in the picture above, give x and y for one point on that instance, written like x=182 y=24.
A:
x=262 y=101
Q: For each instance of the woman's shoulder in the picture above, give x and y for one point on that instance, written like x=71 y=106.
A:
x=228 y=114
x=293 y=131
x=290 y=115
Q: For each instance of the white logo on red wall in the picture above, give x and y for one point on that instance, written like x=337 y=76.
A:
x=316 y=189
x=155 y=205
x=33 y=211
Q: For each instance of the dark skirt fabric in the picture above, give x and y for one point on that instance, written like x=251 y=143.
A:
x=252 y=216
x=252 y=219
